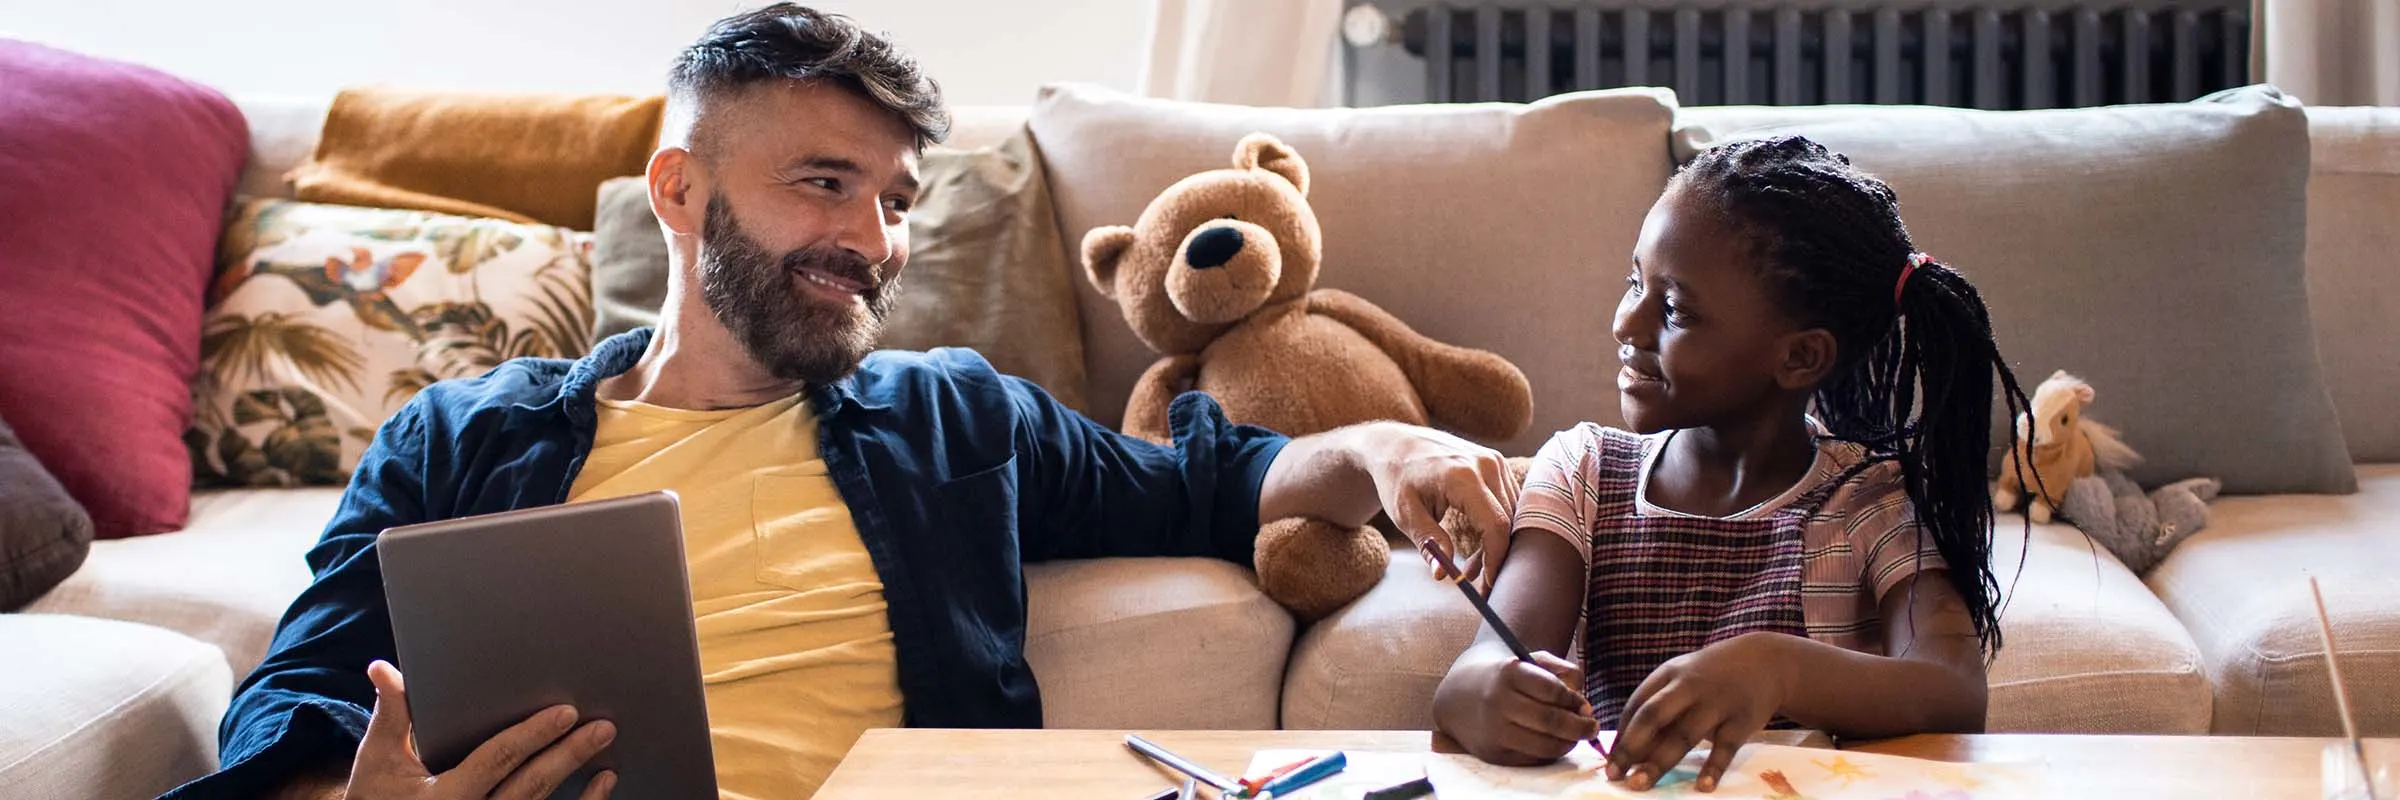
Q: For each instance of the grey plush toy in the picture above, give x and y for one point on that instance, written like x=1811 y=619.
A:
x=2139 y=528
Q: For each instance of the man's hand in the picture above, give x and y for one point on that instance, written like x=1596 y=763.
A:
x=1416 y=474
x=1722 y=694
x=1422 y=474
x=1511 y=713
x=525 y=762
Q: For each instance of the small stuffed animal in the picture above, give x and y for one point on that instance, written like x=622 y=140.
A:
x=2139 y=528
x=1218 y=276
x=2066 y=447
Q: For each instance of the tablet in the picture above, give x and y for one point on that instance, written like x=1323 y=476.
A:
x=499 y=616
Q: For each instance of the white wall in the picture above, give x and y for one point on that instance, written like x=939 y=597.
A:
x=984 y=52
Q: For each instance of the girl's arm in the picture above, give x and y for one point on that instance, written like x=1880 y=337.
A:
x=1933 y=682
x=1503 y=710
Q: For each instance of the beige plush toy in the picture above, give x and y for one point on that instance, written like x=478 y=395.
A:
x=1218 y=277
x=2066 y=447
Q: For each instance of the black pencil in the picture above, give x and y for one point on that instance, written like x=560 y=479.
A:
x=1492 y=618
x=1482 y=606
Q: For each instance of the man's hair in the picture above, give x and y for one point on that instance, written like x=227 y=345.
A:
x=788 y=42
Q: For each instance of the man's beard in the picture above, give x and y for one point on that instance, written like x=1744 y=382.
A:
x=756 y=295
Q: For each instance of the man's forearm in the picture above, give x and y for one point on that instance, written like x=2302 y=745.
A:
x=1323 y=477
x=329 y=782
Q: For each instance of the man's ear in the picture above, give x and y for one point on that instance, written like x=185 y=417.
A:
x=1264 y=151
x=1807 y=359
x=672 y=198
x=1102 y=248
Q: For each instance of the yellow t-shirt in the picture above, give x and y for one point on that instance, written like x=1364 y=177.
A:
x=795 y=645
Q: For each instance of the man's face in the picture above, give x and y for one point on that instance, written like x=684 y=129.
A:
x=805 y=232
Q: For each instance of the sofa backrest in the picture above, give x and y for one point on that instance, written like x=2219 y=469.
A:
x=2353 y=242
x=2354 y=270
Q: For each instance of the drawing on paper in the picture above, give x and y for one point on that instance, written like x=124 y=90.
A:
x=1760 y=772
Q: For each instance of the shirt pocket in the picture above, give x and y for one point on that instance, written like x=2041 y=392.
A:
x=801 y=532
x=976 y=543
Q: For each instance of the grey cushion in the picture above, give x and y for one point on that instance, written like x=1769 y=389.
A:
x=629 y=259
x=986 y=269
x=44 y=534
x=2153 y=250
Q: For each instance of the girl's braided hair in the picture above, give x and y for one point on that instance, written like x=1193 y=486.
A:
x=1912 y=380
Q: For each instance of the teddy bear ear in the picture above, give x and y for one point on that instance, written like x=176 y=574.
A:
x=1102 y=248
x=1264 y=151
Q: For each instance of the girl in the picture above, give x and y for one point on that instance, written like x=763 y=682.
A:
x=1736 y=560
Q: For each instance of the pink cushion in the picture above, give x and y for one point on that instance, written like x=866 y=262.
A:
x=113 y=182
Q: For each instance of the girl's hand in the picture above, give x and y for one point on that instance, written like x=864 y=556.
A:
x=1722 y=694
x=1514 y=714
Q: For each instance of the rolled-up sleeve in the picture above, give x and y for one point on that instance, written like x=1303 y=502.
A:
x=307 y=705
x=1091 y=492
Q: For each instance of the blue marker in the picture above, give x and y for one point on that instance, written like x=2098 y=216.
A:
x=1309 y=773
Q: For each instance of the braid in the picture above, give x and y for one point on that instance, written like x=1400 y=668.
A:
x=1913 y=375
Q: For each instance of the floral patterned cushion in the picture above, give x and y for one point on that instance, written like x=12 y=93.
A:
x=325 y=319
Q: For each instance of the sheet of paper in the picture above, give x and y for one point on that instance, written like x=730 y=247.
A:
x=1366 y=771
x=1760 y=772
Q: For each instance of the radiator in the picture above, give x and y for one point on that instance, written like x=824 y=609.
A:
x=1998 y=54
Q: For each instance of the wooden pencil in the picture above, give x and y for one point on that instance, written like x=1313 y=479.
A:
x=2341 y=692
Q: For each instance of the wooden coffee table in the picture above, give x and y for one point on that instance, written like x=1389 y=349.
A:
x=1095 y=765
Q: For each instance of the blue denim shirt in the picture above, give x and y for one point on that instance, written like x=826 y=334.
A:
x=956 y=477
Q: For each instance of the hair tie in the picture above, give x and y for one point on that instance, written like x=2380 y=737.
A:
x=1915 y=260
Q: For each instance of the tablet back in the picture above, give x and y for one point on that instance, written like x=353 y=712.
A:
x=500 y=616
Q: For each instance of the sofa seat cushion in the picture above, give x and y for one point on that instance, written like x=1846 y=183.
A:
x=1373 y=665
x=225 y=579
x=102 y=710
x=2089 y=650
x=2241 y=588
x=1154 y=643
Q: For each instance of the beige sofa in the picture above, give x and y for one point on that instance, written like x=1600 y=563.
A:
x=114 y=682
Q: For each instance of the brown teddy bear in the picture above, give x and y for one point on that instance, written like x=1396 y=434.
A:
x=1218 y=277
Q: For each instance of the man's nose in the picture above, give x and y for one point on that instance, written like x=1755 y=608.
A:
x=864 y=233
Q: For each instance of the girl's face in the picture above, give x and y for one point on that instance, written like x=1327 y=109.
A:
x=1702 y=341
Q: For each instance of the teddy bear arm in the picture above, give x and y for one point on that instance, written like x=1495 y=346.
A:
x=1473 y=392
x=1146 y=411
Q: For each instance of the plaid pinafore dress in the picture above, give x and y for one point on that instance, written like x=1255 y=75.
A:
x=1661 y=586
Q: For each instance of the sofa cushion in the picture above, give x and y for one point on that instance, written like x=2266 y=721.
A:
x=224 y=580
x=1373 y=665
x=105 y=710
x=327 y=319
x=1501 y=227
x=2353 y=252
x=2171 y=234
x=44 y=534
x=116 y=179
x=2089 y=650
x=1154 y=644
x=2241 y=587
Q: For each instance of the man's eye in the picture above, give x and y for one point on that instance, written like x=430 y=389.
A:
x=899 y=204
x=827 y=184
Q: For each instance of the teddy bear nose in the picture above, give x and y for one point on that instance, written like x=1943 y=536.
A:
x=1213 y=247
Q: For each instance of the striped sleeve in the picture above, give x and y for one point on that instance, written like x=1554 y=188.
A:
x=1557 y=495
x=1883 y=528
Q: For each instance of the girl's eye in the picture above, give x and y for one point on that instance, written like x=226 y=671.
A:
x=1634 y=282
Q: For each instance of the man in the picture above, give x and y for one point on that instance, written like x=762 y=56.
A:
x=855 y=525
